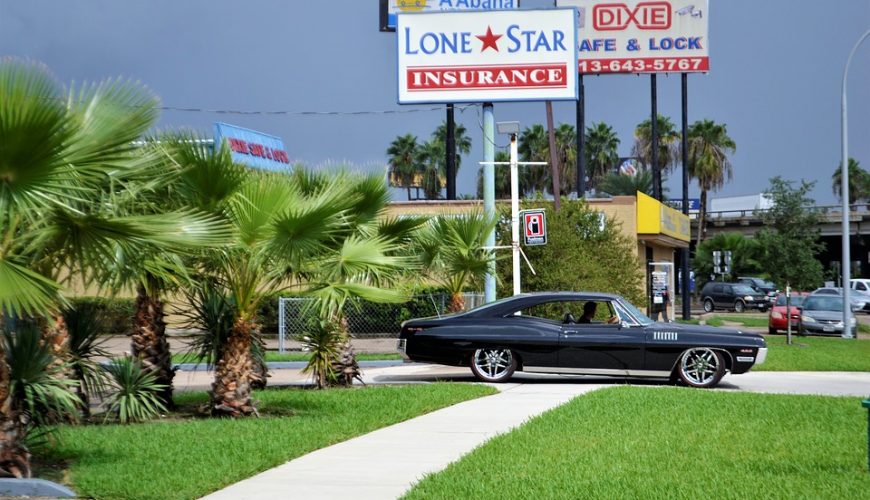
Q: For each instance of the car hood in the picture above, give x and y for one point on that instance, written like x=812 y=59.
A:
x=826 y=315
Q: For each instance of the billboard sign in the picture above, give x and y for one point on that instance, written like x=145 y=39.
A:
x=485 y=56
x=389 y=9
x=633 y=36
x=535 y=227
x=252 y=148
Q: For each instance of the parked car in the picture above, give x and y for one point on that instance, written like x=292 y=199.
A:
x=762 y=285
x=859 y=301
x=554 y=332
x=736 y=296
x=822 y=313
x=860 y=284
x=778 y=318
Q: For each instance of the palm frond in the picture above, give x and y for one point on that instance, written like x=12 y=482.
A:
x=24 y=292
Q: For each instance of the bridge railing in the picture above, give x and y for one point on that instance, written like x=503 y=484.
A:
x=829 y=210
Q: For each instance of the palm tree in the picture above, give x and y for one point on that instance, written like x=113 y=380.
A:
x=601 y=151
x=566 y=151
x=533 y=146
x=65 y=162
x=403 y=162
x=502 y=177
x=430 y=161
x=709 y=145
x=454 y=254
x=617 y=184
x=859 y=182
x=668 y=138
x=461 y=139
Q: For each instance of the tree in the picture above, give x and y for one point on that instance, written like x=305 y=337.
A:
x=668 y=141
x=709 y=146
x=584 y=251
x=460 y=137
x=502 y=177
x=859 y=182
x=617 y=184
x=745 y=253
x=601 y=152
x=789 y=241
x=566 y=152
x=430 y=162
x=67 y=164
x=533 y=146
x=453 y=254
x=403 y=156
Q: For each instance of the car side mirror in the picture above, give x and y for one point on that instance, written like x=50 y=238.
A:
x=624 y=324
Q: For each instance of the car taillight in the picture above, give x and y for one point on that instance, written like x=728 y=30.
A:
x=410 y=330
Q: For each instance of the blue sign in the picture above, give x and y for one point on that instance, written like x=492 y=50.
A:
x=694 y=204
x=253 y=148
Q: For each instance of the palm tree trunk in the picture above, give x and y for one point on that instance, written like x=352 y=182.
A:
x=702 y=218
x=56 y=337
x=346 y=368
x=554 y=157
x=14 y=455
x=260 y=370
x=231 y=390
x=149 y=342
x=457 y=303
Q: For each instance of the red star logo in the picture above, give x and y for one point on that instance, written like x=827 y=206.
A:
x=489 y=40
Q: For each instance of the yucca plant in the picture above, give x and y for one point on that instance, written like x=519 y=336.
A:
x=85 y=324
x=323 y=341
x=37 y=397
x=135 y=392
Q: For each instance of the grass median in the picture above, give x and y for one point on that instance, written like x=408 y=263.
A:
x=633 y=442
x=816 y=354
x=185 y=456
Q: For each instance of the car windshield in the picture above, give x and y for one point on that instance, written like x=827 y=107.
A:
x=796 y=300
x=823 y=303
x=642 y=318
x=743 y=290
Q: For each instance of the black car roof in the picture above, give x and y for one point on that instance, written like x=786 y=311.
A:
x=508 y=304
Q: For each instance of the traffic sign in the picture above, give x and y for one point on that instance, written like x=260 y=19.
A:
x=535 y=227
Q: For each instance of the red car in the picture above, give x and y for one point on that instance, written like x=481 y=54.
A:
x=777 y=318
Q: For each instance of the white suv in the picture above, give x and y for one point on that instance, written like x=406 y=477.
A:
x=862 y=285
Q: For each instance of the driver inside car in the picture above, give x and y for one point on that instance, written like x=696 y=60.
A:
x=589 y=309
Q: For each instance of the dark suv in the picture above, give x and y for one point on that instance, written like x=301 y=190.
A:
x=762 y=285
x=736 y=296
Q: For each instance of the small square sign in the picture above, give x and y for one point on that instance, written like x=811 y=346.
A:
x=534 y=227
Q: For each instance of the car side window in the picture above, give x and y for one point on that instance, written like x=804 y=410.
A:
x=717 y=289
x=556 y=311
x=861 y=286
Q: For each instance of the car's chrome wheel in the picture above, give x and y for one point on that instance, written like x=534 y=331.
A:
x=739 y=306
x=493 y=364
x=708 y=305
x=701 y=367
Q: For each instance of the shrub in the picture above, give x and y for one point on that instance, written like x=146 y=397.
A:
x=116 y=313
x=135 y=392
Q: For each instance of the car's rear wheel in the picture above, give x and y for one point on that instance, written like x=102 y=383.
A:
x=739 y=306
x=701 y=367
x=493 y=364
x=772 y=331
x=708 y=305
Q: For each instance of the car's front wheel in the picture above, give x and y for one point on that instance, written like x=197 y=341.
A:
x=701 y=367
x=708 y=305
x=493 y=364
x=739 y=306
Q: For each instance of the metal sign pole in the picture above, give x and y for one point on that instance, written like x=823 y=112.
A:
x=489 y=194
x=450 y=143
x=515 y=214
x=654 y=140
x=684 y=253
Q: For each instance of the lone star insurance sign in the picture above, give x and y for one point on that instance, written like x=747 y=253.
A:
x=480 y=56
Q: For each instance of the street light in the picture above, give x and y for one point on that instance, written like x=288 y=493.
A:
x=844 y=190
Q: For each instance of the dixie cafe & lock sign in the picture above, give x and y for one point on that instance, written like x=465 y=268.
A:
x=487 y=56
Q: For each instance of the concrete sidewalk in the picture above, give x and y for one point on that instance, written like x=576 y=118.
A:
x=386 y=463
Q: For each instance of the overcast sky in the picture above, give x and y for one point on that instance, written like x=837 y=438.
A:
x=776 y=70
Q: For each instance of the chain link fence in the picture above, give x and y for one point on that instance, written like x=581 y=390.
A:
x=365 y=319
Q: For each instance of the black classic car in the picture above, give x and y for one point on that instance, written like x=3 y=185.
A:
x=578 y=333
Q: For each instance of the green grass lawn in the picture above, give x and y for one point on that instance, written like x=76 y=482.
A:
x=293 y=356
x=634 y=442
x=748 y=321
x=187 y=457
x=816 y=354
